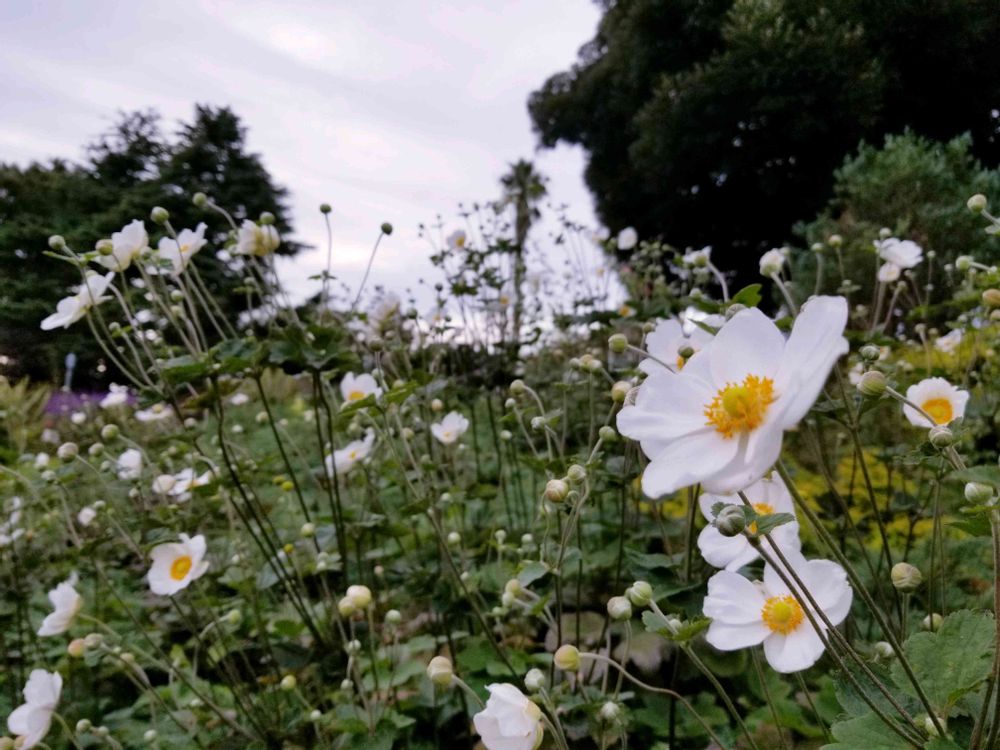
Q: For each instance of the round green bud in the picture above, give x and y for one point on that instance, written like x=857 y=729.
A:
x=731 y=521
x=978 y=494
x=567 y=658
x=619 y=391
x=618 y=343
x=534 y=680
x=393 y=617
x=607 y=434
x=940 y=436
x=610 y=712
x=83 y=726
x=57 y=242
x=906 y=577
x=733 y=309
x=991 y=298
x=872 y=384
x=159 y=215
x=308 y=530
x=884 y=650
x=977 y=203
x=640 y=593
x=817 y=247
x=619 y=608
x=105 y=247
x=386 y=228
x=517 y=387
x=556 y=490
x=963 y=263
x=576 y=474
x=325 y=208
x=200 y=200
x=835 y=240
x=440 y=671
x=932 y=622
x=266 y=219
x=870 y=352
x=288 y=682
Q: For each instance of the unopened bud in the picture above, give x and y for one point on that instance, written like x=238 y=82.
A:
x=361 y=596
x=991 y=298
x=619 y=608
x=288 y=682
x=556 y=490
x=440 y=671
x=159 y=215
x=200 y=200
x=325 y=208
x=884 y=650
x=386 y=228
x=610 y=712
x=576 y=474
x=978 y=494
x=906 y=577
x=534 y=680
x=105 y=247
x=932 y=622
x=870 y=352
x=618 y=343
x=607 y=434
x=640 y=593
x=308 y=530
x=963 y=263
x=619 y=391
x=872 y=384
x=733 y=309
x=567 y=658
x=76 y=648
x=940 y=436
x=56 y=242
x=68 y=451
x=977 y=203
x=731 y=521
x=835 y=240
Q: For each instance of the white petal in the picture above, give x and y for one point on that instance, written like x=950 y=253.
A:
x=794 y=652
x=726 y=637
x=748 y=344
x=686 y=461
x=732 y=599
x=719 y=551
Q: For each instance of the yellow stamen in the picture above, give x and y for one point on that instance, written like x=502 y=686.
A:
x=355 y=395
x=782 y=614
x=680 y=362
x=740 y=407
x=180 y=567
x=763 y=509
x=939 y=410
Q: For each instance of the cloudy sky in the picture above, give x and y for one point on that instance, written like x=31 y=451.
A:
x=388 y=110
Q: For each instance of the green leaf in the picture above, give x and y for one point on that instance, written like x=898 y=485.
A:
x=951 y=662
x=531 y=571
x=865 y=733
x=748 y=295
x=982 y=474
x=184 y=369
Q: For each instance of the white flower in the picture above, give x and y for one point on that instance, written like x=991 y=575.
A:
x=42 y=460
x=154 y=413
x=939 y=398
x=30 y=721
x=86 y=515
x=50 y=436
x=720 y=420
x=510 y=720
x=768 y=496
x=180 y=251
x=949 y=342
x=238 y=399
x=71 y=309
x=451 y=428
x=437 y=316
x=902 y=253
x=117 y=396
x=254 y=239
x=163 y=484
x=383 y=311
x=187 y=480
x=130 y=464
x=127 y=244
x=67 y=603
x=457 y=240
x=627 y=238
x=698 y=258
x=670 y=336
x=888 y=272
x=78 y=417
x=347 y=458
x=746 y=613
x=773 y=261
x=356 y=387
x=177 y=564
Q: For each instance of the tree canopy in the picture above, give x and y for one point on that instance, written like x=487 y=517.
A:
x=126 y=171
x=720 y=122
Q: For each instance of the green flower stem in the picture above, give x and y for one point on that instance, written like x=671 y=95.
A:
x=721 y=691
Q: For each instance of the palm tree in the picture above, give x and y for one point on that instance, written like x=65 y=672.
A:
x=523 y=188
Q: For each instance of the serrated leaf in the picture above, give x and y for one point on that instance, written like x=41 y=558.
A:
x=531 y=571
x=865 y=733
x=748 y=295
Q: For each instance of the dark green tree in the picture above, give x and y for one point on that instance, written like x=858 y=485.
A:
x=721 y=122
x=127 y=170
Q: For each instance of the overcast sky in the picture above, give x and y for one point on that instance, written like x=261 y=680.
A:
x=390 y=111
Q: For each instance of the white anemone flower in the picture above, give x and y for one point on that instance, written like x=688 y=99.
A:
x=67 y=604
x=345 y=459
x=85 y=296
x=86 y=515
x=698 y=258
x=627 y=238
x=126 y=244
x=154 y=413
x=30 y=721
x=180 y=251
x=942 y=401
x=163 y=484
x=457 y=240
x=451 y=428
x=256 y=239
x=768 y=496
x=670 y=336
x=177 y=564
x=746 y=613
x=130 y=464
x=356 y=387
x=950 y=342
x=42 y=460
x=117 y=396
x=510 y=720
x=721 y=419
x=187 y=480
x=773 y=261
x=902 y=253
x=239 y=399
x=888 y=273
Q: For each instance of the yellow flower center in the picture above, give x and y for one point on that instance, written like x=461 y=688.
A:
x=180 y=567
x=782 y=614
x=460 y=241
x=740 y=407
x=763 y=509
x=355 y=395
x=446 y=434
x=352 y=455
x=504 y=300
x=624 y=311
x=680 y=362
x=939 y=410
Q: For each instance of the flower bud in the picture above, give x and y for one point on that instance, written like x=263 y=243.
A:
x=386 y=228
x=618 y=343
x=361 y=596
x=610 y=712
x=817 y=247
x=576 y=474
x=393 y=617
x=607 y=434
x=437 y=405
x=567 y=658
x=940 y=436
x=83 y=726
x=346 y=607
x=978 y=494
x=68 y=451
x=731 y=521
x=870 y=352
x=325 y=208
x=556 y=490
x=105 y=247
x=963 y=263
x=537 y=423
x=932 y=622
x=513 y=587
x=534 y=680
x=500 y=536
x=619 y=608
x=884 y=650
x=307 y=530
x=872 y=384
x=159 y=215
x=346 y=685
x=76 y=648
x=200 y=200
x=57 y=242
x=506 y=435
x=109 y=432
x=640 y=593
x=440 y=671
x=835 y=240
x=991 y=298
x=454 y=538
x=977 y=203
x=517 y=387
x=288 y=682
x=733 y=309
x=93 y=640
x=149 y=735
x=266 y=218
x=906 y=578
x=619 y=391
